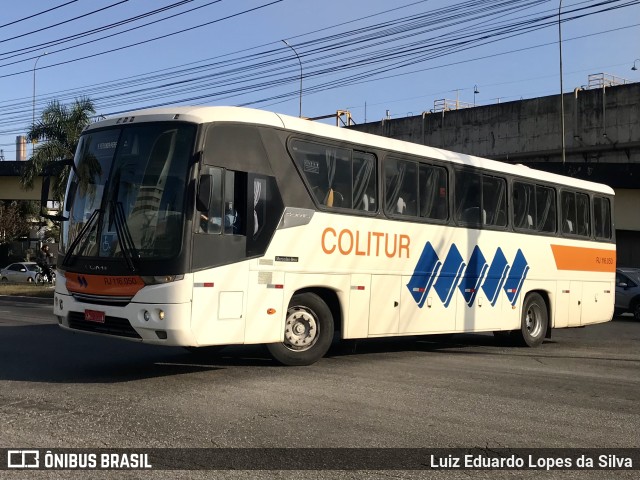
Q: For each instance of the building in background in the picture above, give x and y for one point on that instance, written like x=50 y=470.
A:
x=602 y=140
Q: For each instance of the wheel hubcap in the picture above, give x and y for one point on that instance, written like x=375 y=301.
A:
x=533 y=321
x=301 y=329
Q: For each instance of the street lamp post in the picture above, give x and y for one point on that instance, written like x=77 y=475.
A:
x=561 y=85
x=634 y=68
x=33 y=114
x=475 y=92
x=300 y=62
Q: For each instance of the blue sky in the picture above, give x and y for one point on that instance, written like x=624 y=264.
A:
x=509 y=68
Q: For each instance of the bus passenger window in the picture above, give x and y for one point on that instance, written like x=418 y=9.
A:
x=433 y=192
x=582 y=215
x=401 y=187
x=327 y=170
x=524 y=206
x=364 y=181
x=545 y=209
x=602 y=217
x=568 y=212
x=468 y=198
x=494 y=201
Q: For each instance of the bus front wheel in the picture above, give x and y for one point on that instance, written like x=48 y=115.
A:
x=308 y=331
x=534 y=321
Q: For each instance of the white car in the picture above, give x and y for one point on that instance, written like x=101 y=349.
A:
x=20 y=272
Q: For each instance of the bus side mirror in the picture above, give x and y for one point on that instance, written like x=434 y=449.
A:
x=53 y=169
x=44 y=198
x=203 y=199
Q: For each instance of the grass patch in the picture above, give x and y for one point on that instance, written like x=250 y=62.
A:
x=26 y=290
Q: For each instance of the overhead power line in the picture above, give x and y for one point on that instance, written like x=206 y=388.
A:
x=51 y=43
x=63 y=22
x=142 y=42
x=349 y=57
x=13 y=22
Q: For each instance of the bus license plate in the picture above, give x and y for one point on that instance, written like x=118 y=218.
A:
x=94 y=316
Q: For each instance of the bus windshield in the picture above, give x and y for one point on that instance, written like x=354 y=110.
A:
x=126 y=197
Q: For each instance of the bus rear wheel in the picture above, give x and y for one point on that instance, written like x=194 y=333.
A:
x=308 y=331
x=534 y=321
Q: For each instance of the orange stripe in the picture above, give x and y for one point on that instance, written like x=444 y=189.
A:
x=584 y=259
x=103 y=284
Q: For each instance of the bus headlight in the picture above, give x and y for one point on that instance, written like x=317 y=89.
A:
x=146 y=315
x=161 y=314
x=160 y=279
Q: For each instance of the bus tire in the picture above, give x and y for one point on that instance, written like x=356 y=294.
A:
x=308 y=331
x=534 y=321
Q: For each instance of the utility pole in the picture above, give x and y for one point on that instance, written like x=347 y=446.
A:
x=561 y=85
x=300 y=62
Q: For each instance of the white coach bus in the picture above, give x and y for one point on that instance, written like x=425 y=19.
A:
x=211 y=226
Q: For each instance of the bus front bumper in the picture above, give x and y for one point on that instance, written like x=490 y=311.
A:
x=159 y=324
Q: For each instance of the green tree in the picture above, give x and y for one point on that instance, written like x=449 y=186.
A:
x=13 y=222
x=58 y=133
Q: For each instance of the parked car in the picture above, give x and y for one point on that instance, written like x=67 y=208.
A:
x=20 y=272
x=628 y=291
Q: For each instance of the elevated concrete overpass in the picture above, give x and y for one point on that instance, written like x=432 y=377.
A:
x=10 y=188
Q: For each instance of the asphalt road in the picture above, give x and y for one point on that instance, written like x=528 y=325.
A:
x=64 y=390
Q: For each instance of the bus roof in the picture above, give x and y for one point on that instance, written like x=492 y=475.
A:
x=203 y=114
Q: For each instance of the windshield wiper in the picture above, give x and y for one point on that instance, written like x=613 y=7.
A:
x=127 y=245
x=87 y=227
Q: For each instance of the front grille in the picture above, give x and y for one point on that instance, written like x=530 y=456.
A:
x=102 y=299
x=120 y=327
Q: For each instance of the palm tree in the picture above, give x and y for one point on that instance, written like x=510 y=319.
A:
x=59 y=131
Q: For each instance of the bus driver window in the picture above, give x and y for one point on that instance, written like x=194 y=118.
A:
x=227 y=203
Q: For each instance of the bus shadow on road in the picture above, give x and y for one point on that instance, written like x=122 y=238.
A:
x=258 y=356
x=45 y=353
x=422 y=343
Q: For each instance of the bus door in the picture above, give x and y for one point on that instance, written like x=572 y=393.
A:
x=219 y=303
